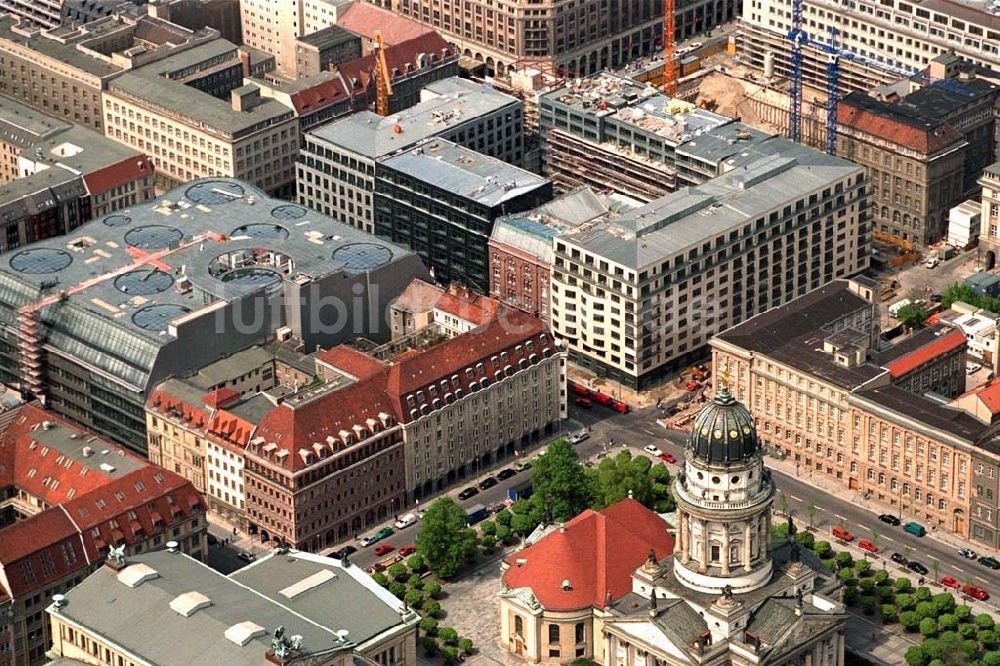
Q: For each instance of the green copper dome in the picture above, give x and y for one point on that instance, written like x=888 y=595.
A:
x=723 y=431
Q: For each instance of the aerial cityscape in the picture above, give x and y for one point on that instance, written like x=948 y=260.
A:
x=504 y=332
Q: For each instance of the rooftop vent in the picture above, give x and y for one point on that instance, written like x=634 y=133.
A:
x=46 y=425
x=87 y=452
x=59 y=600
x=105 y=467
x=566 y=585
x=172 y=546
x=136 y=574
x=308 y=583
x=244 y=632
x=189 y=603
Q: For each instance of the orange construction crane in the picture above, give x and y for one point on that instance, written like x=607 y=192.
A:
x=383 y=78
x=669 y=49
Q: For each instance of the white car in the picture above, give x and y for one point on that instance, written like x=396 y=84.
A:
x=652 y=450
x=578 y=437
x=695 y=45
x=972 y=368
x=968 y=553
x=932 y=262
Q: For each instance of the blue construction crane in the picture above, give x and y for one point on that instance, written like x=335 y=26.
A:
x=799 y=39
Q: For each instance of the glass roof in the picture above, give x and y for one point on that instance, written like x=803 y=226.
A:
x=214 y=192
x=40 y=260
x=153 y=237
x=261 y=231
x=362 y=256
x=144 y=282
x=157 y=317
x=288 y=212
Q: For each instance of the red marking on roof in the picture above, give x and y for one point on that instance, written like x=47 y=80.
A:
x=597 y=553
x=365 y=19
x=351 y=361
x=950 y=341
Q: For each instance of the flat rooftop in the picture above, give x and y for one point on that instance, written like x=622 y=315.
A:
x=183 y=612
x=329 y=37
x=763 y=178
x=80 y=149
x=21 y=125
x=464 y=172
x=444 y=104
x=65 y=49
x=85 y=448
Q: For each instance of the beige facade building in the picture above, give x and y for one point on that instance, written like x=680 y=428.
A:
x=989 y=232
x=826 y=394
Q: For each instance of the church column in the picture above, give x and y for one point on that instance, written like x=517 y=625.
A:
x=686 y=536
x=679 y=535
x=763 y=537
x=840 y=648
x=703 y=565
x=725 y=551
x=747 y=555
x=767 y=534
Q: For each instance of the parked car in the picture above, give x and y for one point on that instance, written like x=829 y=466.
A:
x=405 y=521
x=932 y=262
x=917 y=568
x=968 y=553
x=842 y=533
x=579 y=436
x=405 y=551
x=889 y=519
x=916 y=529
x=975 y=592
x=487 y=483
x=668 y=457
x=586 y=403
x=521 y=466
x=695 y=45
x=468 y=493
x=948 y=581
x=692 y=386
x=384 y=549
x=865 y=544
x=383 y=533
x=652 y=450
x=991 y=562
x=346 y=551
x=898 y=558
x=247 y=557
x=505 y=474
x=972 y=368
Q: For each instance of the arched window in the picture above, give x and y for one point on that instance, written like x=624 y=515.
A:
x=553 y=633
x=518 y=625
x=734 y=552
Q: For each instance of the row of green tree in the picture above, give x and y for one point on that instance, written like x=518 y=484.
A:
x=966 y=294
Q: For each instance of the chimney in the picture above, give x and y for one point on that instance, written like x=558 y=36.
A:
x=245 y=61
x=245 y=98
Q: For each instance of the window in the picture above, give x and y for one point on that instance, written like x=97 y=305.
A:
x=579 y=632
x=553 y=633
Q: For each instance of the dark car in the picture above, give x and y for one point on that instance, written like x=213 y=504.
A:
x=505 y=474
x=889 y=519
x=990 y=562
x=346 y=551
x=917 y=568
x=468 y=492
x=898 y=558
x=487 y=483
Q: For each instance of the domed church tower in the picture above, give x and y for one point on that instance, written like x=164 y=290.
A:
x=724 y=498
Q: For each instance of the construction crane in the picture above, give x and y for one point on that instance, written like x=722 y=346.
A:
x=669 y=48
x=799 y=39
x=383 y=78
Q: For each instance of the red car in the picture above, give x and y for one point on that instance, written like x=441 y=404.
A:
x=975 y=592
x=584 y=402
x=407 y=550
x=865 y=544
x=669 y=457
x=842 y=534
x=384 y=549
x=948 y=581
x=692 y=386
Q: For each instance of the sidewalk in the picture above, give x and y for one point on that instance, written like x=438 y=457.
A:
x=877 y=643
x=857 y=498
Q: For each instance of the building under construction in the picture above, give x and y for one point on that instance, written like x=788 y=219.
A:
x=612 y=133
x=92 y=321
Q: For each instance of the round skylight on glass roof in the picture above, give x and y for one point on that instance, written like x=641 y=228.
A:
x=154 y=237
x=362 y=256
x=288 y=212
x=214 y=192
x=261 y=231
x=117 y=220
x=144 y=282
x=40 y=260
x=252 y=277
x=158 y=317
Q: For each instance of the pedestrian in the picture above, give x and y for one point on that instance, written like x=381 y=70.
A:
x=234 y=531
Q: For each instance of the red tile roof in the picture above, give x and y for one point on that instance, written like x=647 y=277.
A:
x=989 y=394
x=320 y=96
x=360 y=73
x=221 y=397
x=597 y=553
x=420 y=297
x=88 y=506
x=352 y=361
x=948 y=342
x=119 y=174
x=886 y=121
x=365 y=19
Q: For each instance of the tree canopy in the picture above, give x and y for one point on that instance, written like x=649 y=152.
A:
x=913 y=315
x=560 y=483
x=616 y=476
x=445 y=540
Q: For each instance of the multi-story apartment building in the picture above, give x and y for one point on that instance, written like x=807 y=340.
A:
x=49 y=14
x=915 y=165
x=609 y=132
x=336 y=173
x=876 y=420
x=441 y=199
x=316 y=99
x=315 y=52
x=638 y=295
x=197 y=119
x=989 y=233
x=62 y=72
x=72 y=497
x=223 y=15
x=172 y=285
x=287 y=608
x=273 y=27
x=888 y=39
x=20 y=127
x=520 y=247
x=409 y=424
x=580 y=37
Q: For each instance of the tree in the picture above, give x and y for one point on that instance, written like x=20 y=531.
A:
x=416 y=564
x=882 y=577
x=928 y=627
x=465 y=645
x=823 y=549
x=617 y=476
x=847 y=577
x=431 y=608
x=380 y=578
x=504 y=533
x=889 y=613
x=503 y=517
x=429 y=626
x=450 y=655
x=915 y=657
x=983 y=620
x=414 y=581
x=913 y=315
x=944 y=603
x=967 y=631
x=414 y=598
x=431 y=589
x=947 y=622
x=875 y=537
x=885 y=594
x=560 y=482
x=782 y=503
x=926 y=609
x=398 y=572
x=430 y=646
x=448 y=635
x=905 y=602
x=907 y=551
x=963 y=613
x=867 y=585
x=910 y=620
x=903 y=584
x=812 y=511
x=850 y=595
x=991 y=658
x=924 y=593
x=779 y=532
x=488 y=527
x=445 y=541
x=806 y=539
x=863 y=568
x=488 y=541
x=868 y=604
x=844 y=559
x=397 y=590
x=521 y=524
